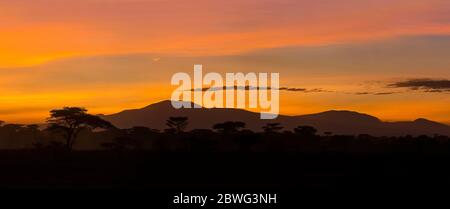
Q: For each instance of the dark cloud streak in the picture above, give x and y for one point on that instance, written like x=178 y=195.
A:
x=425 y=84
x=247 y=88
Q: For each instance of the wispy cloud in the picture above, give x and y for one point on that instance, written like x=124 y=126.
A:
x=424 y=84
x=384 y=93
x=375 y=93
x=291 y=89
x=248 y=88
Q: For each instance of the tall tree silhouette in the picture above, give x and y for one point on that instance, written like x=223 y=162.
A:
x=177 y=124
x=71 y=120
x=229 y=127
x=272 y=127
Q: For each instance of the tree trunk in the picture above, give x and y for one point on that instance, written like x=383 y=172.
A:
x=69 y=140
x=69 y=143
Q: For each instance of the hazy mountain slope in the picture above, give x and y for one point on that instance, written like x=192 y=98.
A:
x=337 y=122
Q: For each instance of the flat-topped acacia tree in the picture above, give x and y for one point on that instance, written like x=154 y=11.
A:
x=229 y=127
x=71 y=120
x=272 y=128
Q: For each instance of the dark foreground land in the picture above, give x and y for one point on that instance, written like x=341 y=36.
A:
x=143 y=177
x=143 y=167
x=327 y=172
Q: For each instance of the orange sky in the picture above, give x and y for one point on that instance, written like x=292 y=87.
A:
x=101 y=53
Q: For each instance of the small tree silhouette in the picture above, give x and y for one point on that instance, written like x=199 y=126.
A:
x=71 y=120
x=13 y=128
x=272 y=128
x=229 y=127
x=305 y=131
x=177 y=124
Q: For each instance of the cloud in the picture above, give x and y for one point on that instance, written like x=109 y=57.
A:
x=292 y=89
x=384 y=93
x=375 y=93
x=302 y=90
x=424 y=84
x=247 y=88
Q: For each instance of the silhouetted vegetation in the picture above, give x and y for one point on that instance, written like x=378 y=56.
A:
x=176 y=124
x=69 y=121
x=225 y=155
x=229 y=127
x=67 y=124
x=272 y=127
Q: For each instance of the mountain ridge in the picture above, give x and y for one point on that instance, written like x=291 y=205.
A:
x=335 y=121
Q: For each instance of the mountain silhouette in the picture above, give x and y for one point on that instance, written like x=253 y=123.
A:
x=334 y=121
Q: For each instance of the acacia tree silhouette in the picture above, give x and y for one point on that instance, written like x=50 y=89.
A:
x=177 y=124
x=305 y=131
x=272 y=127
x=229 y=127
x=71 y=120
